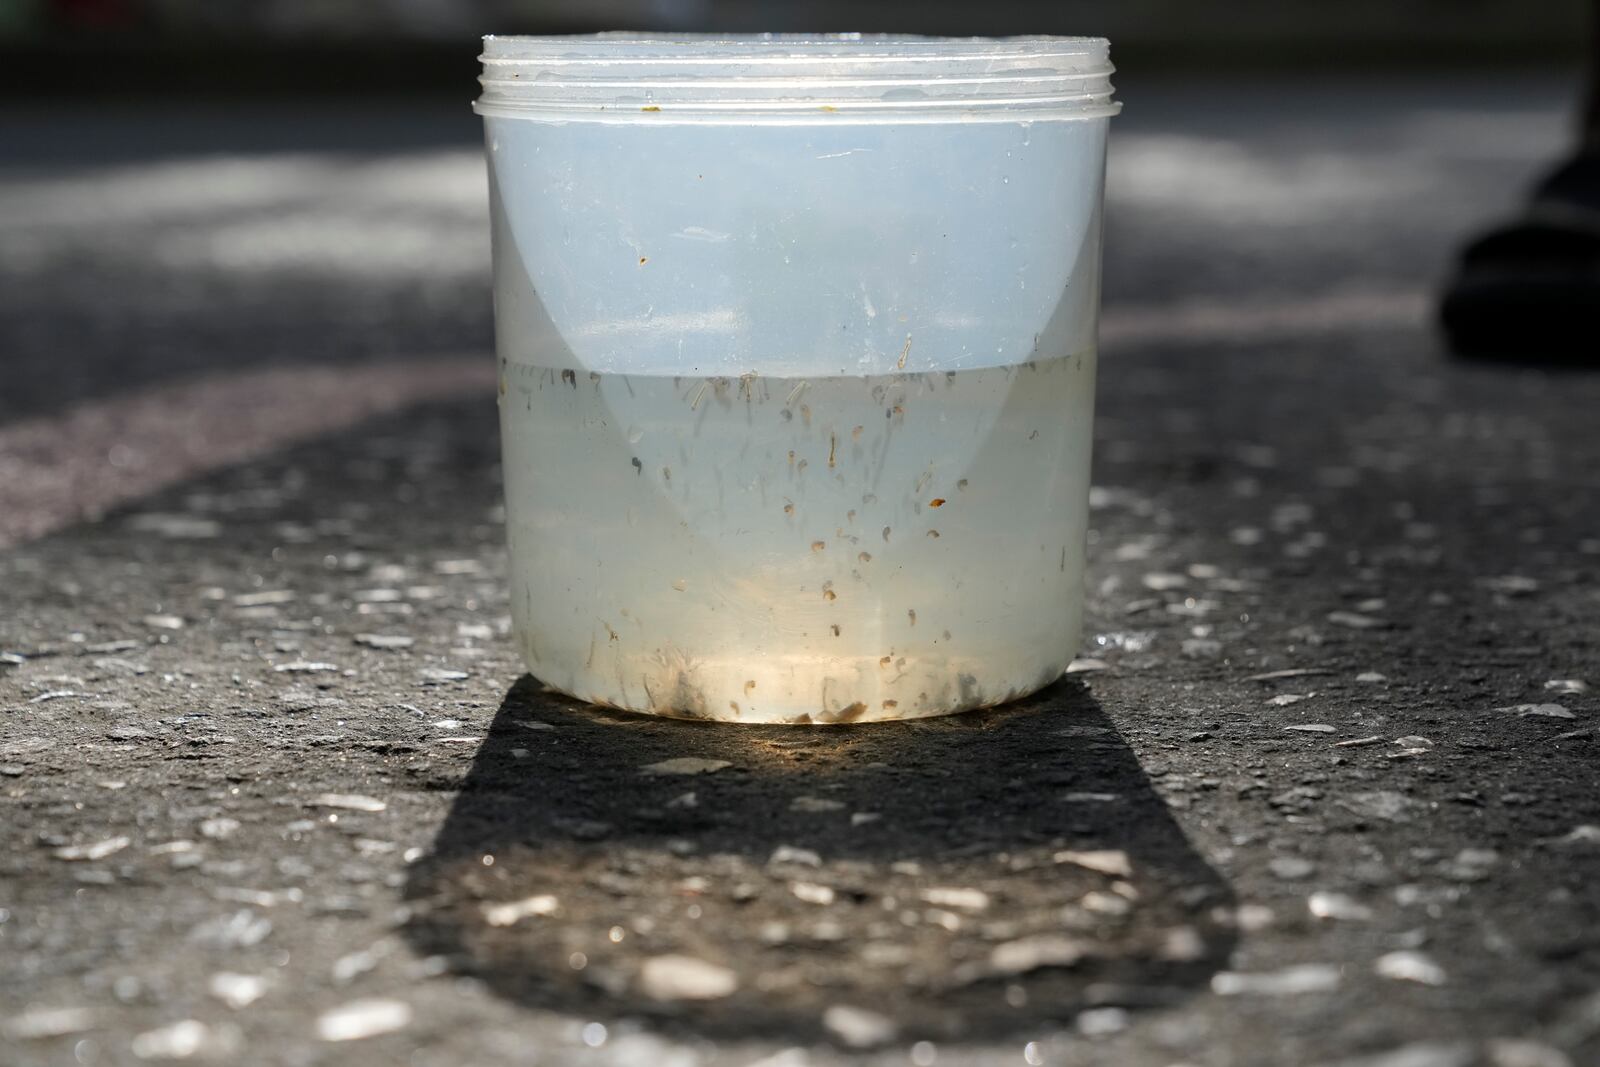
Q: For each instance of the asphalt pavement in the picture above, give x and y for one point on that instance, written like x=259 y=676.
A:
x=274 y=788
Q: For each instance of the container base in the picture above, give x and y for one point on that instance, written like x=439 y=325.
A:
x=686 y=702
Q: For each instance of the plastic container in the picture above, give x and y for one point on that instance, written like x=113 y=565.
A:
x=797 y=347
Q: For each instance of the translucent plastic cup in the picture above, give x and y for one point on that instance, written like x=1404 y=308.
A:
x=797 y=349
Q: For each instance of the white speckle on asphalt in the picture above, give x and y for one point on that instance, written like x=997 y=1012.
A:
x=385 y=641
x=1101 y=1022
x=176 y=1042
x=1290 y=981
x=1383 y=804
x=36 y=1023
x=348 y=802
x=1584 y=836
x=1408 y=966
x=1338 y=907
x=1416 y=1054
x=1371 y=677
x=512 y=912
x=1311 y=728
x=439 y=675
x=176 y=527
x=219 y=829
x=99 y=850
x=1292 y=672
x=857 y=1027
x=360 y=1019
x=264 y=598
x=675 y=977
x=686 y=765
x=956 y=897
x=237 y=990
x=1523 y=1052
x=811 y=892
x=301 y=666
x=1106 y=861
x=243 y=929
x=164 y=622
x=1356 y=621
x=1031 y=953
x=1291 y=868
x=1553 y=711
x=815 y=805
x=1283 y=700
x=1511 y=585
x=790 y=854
x=1085 y=664
x=1575 y=686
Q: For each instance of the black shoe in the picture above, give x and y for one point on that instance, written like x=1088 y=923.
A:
x=1530 y=291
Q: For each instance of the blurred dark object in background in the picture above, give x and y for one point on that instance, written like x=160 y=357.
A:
x=1529 y=290
x=101 y=47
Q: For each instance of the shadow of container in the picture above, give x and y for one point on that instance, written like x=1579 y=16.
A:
x=963 y=878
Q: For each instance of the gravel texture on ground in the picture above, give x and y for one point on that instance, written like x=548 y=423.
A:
x=273 y=788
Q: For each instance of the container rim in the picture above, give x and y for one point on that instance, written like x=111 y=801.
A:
x=793 y=78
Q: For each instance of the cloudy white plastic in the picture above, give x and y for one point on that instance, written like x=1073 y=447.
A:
x=797 y=348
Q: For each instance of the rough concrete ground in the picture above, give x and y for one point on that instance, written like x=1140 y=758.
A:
x=238 y=830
